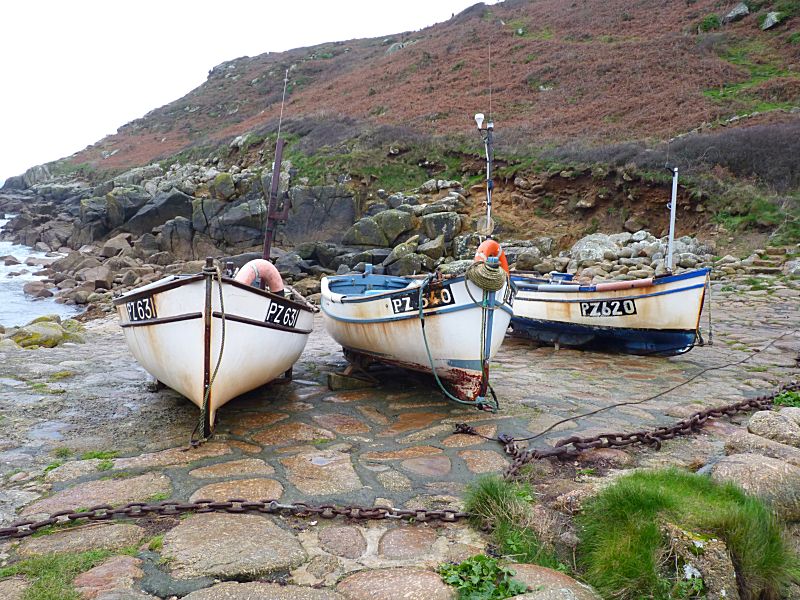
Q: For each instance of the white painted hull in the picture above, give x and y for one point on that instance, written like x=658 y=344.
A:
x=368 y=325
x=661 y=316
x=174 y=352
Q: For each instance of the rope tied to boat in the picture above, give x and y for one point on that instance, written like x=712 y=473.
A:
x=481 y=402
x=487 y=275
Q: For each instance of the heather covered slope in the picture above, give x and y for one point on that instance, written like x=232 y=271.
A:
x=597 y=72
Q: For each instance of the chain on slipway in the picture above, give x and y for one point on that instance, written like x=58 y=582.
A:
x=564 y=449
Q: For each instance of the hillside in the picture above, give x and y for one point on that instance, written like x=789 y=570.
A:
x=560 y=71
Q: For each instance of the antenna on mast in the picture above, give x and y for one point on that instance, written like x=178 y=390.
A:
x=273 y=214
x=485 y=224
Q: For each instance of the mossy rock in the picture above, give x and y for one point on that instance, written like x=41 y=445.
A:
x=43 y=334
x=223 y=186
x=73 y=326
x=46 y=319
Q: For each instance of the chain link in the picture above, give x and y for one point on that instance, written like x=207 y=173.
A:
x=570 y=447
x=563 y=449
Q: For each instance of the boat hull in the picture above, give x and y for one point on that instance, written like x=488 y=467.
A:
x=387 y=328
x=180 y=345
x=659 y=317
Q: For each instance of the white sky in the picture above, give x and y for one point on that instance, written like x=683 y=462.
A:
x=73 y=71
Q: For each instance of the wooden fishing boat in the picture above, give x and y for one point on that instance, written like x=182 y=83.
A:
x=450 y=327
x=212 y=338
x=654 y=316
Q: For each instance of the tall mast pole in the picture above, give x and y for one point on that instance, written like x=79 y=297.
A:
x=272 y=215
x=672 y=208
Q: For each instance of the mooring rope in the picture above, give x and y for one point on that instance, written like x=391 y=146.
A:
x=488 y=277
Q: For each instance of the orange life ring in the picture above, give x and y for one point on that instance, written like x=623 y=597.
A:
x=491 y=248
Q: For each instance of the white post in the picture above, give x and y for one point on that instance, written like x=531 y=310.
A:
x=489 y=157
x=672 y=208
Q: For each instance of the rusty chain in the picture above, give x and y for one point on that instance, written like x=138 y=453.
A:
x=570 y=447
x=135 y=510
x=563 y=449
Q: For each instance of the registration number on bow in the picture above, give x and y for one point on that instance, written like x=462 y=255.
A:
x=282 y=313
x=409 y=301
x=142 y=309
x=608 y=308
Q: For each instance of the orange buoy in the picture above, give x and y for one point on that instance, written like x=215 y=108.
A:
x=491 y=248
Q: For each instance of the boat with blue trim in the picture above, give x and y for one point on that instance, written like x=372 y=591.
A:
x=448 y=326
x=654 y=316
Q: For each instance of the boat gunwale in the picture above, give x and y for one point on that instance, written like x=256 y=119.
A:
x=163 y=320
x=247 y=321
x=599 y=295
x=523 y=280
x=180 y=280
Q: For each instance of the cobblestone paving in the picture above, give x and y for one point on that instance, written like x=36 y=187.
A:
x=393 y=444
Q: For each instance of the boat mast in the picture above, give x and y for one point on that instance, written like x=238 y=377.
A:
x=488 y=143
x=273 y=215
x=672 y=208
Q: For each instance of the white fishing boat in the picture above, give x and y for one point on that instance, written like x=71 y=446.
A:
x=450 y=327
x=212 y=338
x=652 y=316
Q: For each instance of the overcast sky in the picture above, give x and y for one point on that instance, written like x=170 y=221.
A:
x=73 y=71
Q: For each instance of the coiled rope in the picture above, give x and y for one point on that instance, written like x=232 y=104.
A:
x=487 y=276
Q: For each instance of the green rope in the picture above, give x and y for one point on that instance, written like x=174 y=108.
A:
x=479 y=403
x=489 y=278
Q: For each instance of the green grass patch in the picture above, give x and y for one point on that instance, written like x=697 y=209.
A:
x=788 y=398
x=157 y=543
x=53 y=465
x=58 y=376
x=762 y=65
x=623 y=552
x=506 y=508
x=105 y=465
x=708 y=23
x=101 y=454
x=62 y=452
x=159 y=497
x=51 y=575
x=481 y=578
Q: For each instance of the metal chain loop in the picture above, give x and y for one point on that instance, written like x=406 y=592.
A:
x=564 y=448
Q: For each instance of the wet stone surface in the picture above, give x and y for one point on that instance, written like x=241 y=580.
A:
x=112 y=442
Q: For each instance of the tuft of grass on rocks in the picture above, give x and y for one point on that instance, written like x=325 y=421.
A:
x=101 y=454
x=51 y=575
x=505 y=507
x=623 y=550
x=787 y=398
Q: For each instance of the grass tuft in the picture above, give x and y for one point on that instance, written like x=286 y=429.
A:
x=506 y=508
x=788 y=398
x=51 y=575
x=623 y=548
x=101 y=454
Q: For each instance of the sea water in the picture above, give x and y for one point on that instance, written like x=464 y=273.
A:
x=16 y=308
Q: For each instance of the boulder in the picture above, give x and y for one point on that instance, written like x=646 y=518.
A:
x=223 y=187
x=116 y=245
x=399 y=252
x=434 y=248
x=122 y=203
x=46 y=334
x=393 y=223
x=442 y=223
x=138 y=174
x=737 y=13
x=528 y=259
x=291 y=265
x=99 y=277
x=548 y=584
x=408 y=264
x=775 y=426
x=176 y=237
x=791 y=267
x=365 y=232
x=240 y=223
x=773 y=18
x=321 y=213
x=774 y=481
x=165 y=206
x=592 y=248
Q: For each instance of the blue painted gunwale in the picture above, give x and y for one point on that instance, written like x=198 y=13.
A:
x=531 y=284
x=636 y=297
